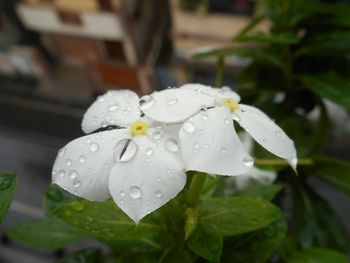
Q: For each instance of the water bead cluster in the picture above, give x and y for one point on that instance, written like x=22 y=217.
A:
x=137 y=150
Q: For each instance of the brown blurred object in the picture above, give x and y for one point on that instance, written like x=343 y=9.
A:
x=91 y=33
x=204 y=29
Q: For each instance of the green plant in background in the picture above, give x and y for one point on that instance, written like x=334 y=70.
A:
x=7 y=191
x=303 y=60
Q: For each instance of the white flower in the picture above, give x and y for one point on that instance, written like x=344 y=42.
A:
x=253 y=176
x=139 y=165
x=208 y=139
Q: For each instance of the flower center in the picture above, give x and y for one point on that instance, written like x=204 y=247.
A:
x=231 y=104
x=138 y=128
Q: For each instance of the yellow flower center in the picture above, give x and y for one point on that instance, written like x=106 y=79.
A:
x=231 y=104
x=138 y=128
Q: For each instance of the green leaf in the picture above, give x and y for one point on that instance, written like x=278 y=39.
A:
x=314 y=221
x=106 y=222
x=326 y=45
x=253 y=22
x=333 y=171
x=258 y=54
x=282 y=38
x=318 y=255
x=91 y=255
x=45 y=233
x=257 y=247
x=176 y=256
x=267 y=192
x=329 y=86
x=237 y=215
x=206 y=242
x=7 y=191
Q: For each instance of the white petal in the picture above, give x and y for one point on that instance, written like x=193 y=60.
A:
x=152 y=177
x=82 y=167
x=226 y=92
x=210 y=144
x=266 y=133
x=265 y=177
x=116 y=107
x=174 y=105
x=201 y=89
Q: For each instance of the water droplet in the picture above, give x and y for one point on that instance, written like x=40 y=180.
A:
x=68 y=162
x=223 y=149
x=53 y=173
x=104 y=124
x=227 y=121
x=100 y=99
x=236 y=117
x=158 y=179
x=149 y=151
x=127 y=111
x=270 y=231
x=94 y=147
x=78 y=206
x=205 y=115
x=61 y=173
x=206 y=145
x=113 y=107
x=125 y=152
x=122 y=193
x=121 y=201
x=195 y=147
x=77 y=184
x=294 y=161
x=168 y=171
x=248 y=161
x=254 y=222
x=73 y=174
x=157 y=135
x=5 y=184
x=54 y=194
x=171 y=99
x=189 y=127
x=68 y=213
x=159 y=194
x=82 y=159
x=61 y=152
x=171 y=145
x=147 y=102
x=278 y=133
x=135 y=192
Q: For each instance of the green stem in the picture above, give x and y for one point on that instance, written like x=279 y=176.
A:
x=220 y=71
x=195 y=188
x=263 y=162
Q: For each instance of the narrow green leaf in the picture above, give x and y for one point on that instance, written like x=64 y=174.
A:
x=253 y=22
x=206 y=242
x=237 y=215
x=91 y=255
x=318 y=255
x=7 y=191
x=314 y=221
x=329 y=86
x=335 y=43
x=333 y=171
x=45 y=233
x=283 y=38
x=259 y=54
x=257 y=247
x=267 y=192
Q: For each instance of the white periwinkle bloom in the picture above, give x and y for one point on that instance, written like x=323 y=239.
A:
x=139 y=164
x=208 y=139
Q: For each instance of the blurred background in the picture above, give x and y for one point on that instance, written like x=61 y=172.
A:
x=56 y=56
